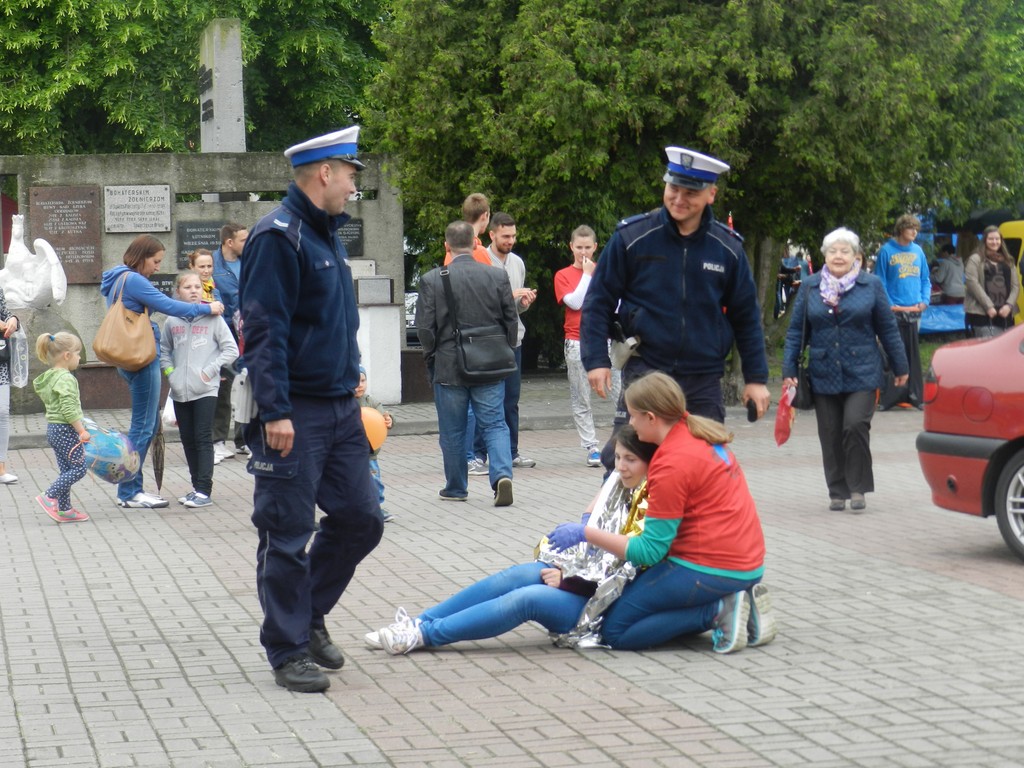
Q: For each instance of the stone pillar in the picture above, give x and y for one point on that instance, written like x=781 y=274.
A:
x=221 y=96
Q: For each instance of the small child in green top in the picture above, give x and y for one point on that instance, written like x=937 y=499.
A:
x=58 y=390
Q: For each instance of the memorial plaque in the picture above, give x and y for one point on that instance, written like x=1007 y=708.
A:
x=351 y=236
x=196 y=234
x=164 y=283
x=68 y=218
x=137 y=208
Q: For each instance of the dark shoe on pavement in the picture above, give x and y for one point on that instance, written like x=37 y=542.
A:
x=836 y=505
x=857 y=502
x=323 y=650
x=298 y=673
x=503 y=493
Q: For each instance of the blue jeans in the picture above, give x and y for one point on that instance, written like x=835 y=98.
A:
x=377 y=483
x=327 y=467
x=510 y=407
x=144 y=387
x=665 y=601
x=452 y=402
x=500 y=603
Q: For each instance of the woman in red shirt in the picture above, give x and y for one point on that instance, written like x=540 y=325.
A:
x=702 y=539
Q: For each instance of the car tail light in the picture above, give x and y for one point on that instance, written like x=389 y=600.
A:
x=931 y=385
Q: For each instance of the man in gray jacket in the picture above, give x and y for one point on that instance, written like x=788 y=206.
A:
x=483 y=297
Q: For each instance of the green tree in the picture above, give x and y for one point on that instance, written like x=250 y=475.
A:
x=109 y=76
x=829 y=112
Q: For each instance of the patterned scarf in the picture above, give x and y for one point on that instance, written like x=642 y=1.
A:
x=833 y=287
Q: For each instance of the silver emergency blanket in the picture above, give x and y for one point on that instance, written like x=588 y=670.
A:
x=617 y=509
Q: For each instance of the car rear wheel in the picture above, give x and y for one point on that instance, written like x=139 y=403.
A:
x=1009 y=503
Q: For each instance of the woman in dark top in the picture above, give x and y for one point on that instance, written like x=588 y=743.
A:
x=845 y=309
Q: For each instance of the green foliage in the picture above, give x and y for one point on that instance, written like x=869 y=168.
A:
x=831 y=113
x=110 y=76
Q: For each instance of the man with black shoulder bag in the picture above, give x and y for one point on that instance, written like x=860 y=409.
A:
x=468 y=327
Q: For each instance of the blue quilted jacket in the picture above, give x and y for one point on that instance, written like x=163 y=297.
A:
x=843 y=352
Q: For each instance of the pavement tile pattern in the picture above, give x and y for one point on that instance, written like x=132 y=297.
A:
x=132 y=639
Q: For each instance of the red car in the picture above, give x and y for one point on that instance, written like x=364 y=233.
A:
x=972 y=446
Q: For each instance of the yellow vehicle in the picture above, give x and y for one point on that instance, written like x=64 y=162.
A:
x=1013 y=236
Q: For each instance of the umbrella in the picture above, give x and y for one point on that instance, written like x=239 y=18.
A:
x=156 y=450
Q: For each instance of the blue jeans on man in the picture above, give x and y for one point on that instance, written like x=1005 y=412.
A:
x=452 y=403
x=513 y=386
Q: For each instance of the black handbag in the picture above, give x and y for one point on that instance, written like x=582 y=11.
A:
x=5 y=349
x=482 y=354
x=804 y=399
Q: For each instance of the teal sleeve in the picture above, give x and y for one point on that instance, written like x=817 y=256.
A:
x=652 y=546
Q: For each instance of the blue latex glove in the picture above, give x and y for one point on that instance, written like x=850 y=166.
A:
x=566 y=535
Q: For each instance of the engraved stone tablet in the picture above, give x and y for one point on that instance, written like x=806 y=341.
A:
x=196 y=234
x=351 y=236
x=140 y=208
x=68 y=218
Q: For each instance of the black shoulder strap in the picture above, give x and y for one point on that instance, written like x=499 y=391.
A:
x=450 y=298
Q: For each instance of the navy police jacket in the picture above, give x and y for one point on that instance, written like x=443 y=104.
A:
x=298 y=307
x=687 y=298
x=843 y=354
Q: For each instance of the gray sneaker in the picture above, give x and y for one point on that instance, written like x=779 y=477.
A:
x=761 y=626
x=522 y=461
x=730 y=625
x=477 y=468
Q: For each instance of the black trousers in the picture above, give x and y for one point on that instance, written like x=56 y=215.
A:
x=913 y=392
x=222 y=418
x=844 y=431
x=195 y=425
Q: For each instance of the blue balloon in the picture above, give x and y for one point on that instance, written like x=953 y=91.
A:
x=109 y=455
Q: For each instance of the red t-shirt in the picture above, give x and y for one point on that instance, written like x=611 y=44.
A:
x=566 y=281
x=704 y=485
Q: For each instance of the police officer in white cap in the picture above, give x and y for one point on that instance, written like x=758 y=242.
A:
x=677 y=281
x=308 y=446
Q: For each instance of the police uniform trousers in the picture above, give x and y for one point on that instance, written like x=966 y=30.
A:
x=326 y=468
x=703 y=393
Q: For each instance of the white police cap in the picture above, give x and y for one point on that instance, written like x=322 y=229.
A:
x=692 y=170
x=340 y=145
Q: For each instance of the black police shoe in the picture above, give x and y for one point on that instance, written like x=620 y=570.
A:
x=323 y=651
x=299 y=673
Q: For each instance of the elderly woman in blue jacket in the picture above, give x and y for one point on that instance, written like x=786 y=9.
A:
x=141 y=261
x=845 y=310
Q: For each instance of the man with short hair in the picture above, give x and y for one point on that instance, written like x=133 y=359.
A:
x=227 y=269
x=309 y=448
x=903 y=269
x=571 y=285
x=482 y=297
x=678 y=282
x=476 y=209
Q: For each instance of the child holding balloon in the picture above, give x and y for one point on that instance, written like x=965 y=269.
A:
x=58 y=390
x=366 y=401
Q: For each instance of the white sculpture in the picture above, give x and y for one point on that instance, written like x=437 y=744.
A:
x=31 y=279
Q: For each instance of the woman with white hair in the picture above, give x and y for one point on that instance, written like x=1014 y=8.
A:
x=838 y=314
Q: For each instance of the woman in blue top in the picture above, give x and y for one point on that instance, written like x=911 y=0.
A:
x=844 y=309
x=142 y=260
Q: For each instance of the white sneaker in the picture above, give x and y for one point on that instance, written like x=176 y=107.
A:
x=402 y=621
x=8 y=479
x=399 y=641
x=142 y=500
x=221 y=452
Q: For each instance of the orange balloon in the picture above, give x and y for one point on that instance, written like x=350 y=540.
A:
x=376 y=429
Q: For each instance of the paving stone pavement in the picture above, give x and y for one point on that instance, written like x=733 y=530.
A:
x=132 y=639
